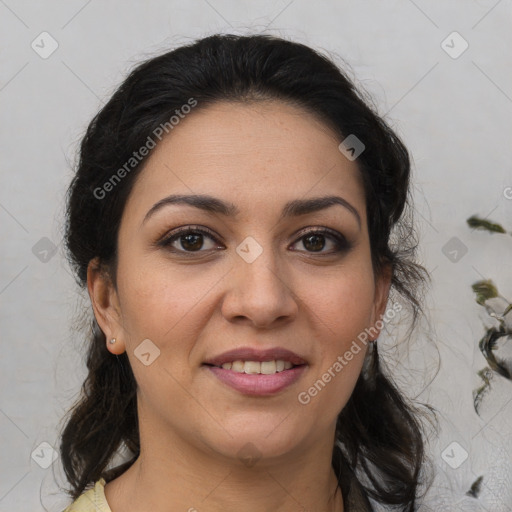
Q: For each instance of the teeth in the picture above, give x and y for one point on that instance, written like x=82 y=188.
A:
x=238 y=366
x=255 y=367
x=252 y=367
x=268 y=367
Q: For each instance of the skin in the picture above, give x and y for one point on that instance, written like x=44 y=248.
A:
x=258 y=156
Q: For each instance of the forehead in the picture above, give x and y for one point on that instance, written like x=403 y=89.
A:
x=260 y=153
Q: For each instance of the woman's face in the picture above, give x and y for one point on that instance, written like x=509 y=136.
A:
x=259 y=280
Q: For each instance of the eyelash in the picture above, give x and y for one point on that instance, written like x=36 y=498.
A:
x=341 y=243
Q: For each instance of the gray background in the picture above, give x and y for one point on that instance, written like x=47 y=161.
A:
x=453 y=112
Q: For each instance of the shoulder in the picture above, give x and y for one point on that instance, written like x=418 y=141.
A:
x=91 y=500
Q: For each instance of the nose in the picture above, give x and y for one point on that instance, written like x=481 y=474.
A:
x=259 y=292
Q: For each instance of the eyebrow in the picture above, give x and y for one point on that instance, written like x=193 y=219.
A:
x=212 y=204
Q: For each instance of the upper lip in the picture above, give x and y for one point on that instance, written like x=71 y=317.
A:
x=252 y=354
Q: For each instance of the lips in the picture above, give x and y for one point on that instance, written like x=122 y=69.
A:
x=257 y=384
x=252 y=371
x=251 y=354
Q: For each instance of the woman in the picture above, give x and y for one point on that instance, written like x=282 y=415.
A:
x=231 y=218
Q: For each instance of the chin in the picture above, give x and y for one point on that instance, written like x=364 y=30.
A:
x=265 y=441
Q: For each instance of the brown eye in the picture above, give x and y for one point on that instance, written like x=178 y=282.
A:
x=191 y=242
x=188 y=240
x=315 y=241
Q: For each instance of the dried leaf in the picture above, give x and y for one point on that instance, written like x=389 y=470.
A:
x=484 y=290
x=478 y=223
x=476 y=487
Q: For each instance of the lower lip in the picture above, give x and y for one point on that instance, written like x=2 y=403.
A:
x=258 y=384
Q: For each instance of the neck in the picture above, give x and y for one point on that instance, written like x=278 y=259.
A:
x=176 y=475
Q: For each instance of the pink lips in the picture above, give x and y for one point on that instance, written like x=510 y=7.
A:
x=257 y=384
x=251 y=354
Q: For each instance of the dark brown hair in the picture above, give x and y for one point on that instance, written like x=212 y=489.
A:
x=380 y=448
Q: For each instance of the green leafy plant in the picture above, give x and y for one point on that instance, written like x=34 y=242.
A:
x=497 y=340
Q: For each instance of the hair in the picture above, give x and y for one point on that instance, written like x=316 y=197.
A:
x=379 y=449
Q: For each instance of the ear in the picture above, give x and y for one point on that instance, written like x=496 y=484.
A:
x=382 y=287
x=105 y=304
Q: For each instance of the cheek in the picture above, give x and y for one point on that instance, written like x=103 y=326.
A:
x=343 y=306
x=165 y=307
x=157 y=301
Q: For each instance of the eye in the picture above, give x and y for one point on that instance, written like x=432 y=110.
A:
x=188 y=239
x=191 y=239
x=314 y=241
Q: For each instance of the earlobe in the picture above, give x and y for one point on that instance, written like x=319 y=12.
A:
x=105 y=305
x=382 y=287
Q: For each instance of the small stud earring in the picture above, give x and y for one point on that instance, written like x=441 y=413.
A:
x=112 y=341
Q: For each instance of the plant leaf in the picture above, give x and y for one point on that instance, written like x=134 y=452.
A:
x=478 y=223
x=476 y=487
x=484 y=290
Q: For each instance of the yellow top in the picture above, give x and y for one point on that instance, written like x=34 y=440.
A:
x=92 y=500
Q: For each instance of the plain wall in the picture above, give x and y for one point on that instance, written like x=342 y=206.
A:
x=452 y=113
